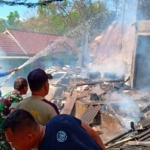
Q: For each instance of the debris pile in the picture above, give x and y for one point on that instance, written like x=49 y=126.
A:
x=136 y=138
x=105 y=103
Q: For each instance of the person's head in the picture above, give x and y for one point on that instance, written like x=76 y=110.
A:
x=38 y=82
x=21 y=130
x=21 y=85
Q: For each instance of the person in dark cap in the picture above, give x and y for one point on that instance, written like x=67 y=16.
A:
x=36 y=104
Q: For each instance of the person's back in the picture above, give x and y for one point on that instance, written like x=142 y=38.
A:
x=20 y=88
x=65 y=132
x=41 y=110
x=8 y=99
x=5 y=103
x=62 y=132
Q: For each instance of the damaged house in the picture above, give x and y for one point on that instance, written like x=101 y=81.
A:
x=117 y=108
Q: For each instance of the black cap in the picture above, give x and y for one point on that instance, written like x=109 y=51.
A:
x=38 y=75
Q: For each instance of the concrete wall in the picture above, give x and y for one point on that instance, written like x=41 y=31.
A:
x=141 y=59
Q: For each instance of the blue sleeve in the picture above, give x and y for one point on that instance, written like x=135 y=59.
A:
x=2 y=74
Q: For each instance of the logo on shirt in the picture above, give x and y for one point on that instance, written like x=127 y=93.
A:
x=34 y=113
x=61 y=136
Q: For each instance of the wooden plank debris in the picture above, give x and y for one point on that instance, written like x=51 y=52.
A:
x=99 y=82
x=90 y=113
x=121 y=142
x=143 y=143
x=69 y=103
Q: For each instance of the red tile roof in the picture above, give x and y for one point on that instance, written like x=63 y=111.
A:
x=32 y=42
x=9 y=46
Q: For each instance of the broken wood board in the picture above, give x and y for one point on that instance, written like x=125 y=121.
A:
x=69 y=102
x=90 y=114
x=106 y=102
x=142 y=143
x=120 y=142
x=99 y=82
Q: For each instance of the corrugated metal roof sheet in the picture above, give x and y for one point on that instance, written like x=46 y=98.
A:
x=90 y=113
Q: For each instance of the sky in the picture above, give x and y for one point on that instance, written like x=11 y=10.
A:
x=5 y=10
x=22 y=10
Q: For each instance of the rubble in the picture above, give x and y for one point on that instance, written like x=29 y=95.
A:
x=138 y=139
x=108 y=105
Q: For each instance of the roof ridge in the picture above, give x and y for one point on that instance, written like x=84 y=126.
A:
x=32 y=32
x=7 y=31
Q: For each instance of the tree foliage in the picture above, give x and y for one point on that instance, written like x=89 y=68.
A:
x=60 y=17
x=74 y=17
x=25 y=3
x=11 y=22
x=13 y=19
x=2 y=25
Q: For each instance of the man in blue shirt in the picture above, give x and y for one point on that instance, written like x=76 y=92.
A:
x=2 y=74
x=62 y=132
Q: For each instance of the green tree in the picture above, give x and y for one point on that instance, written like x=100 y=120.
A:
x=13 y=20
x=2 y=25
x=61 y=17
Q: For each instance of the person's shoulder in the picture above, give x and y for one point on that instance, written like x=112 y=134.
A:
x=24 y=101
x=12 y=97
x=7 y=95
x=47 y=102
x=64 y=118
x=13 y=106
x=13 y=94
x=51 y=105
x=63 y=121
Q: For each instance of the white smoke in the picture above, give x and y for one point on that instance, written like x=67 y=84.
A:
x=126 y=107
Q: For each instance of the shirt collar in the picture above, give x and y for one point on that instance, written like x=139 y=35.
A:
x=37 y=96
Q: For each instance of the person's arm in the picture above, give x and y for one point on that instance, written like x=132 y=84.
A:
x=15 y=99
x=10 y=71
x=94 y=135
x=2 y=74
x=13 y=107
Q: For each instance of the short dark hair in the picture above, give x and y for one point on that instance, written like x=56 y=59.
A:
x=37 y=78
x=18 y=121
x=20 y=83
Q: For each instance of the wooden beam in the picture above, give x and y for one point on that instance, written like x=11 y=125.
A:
x=69 y=102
